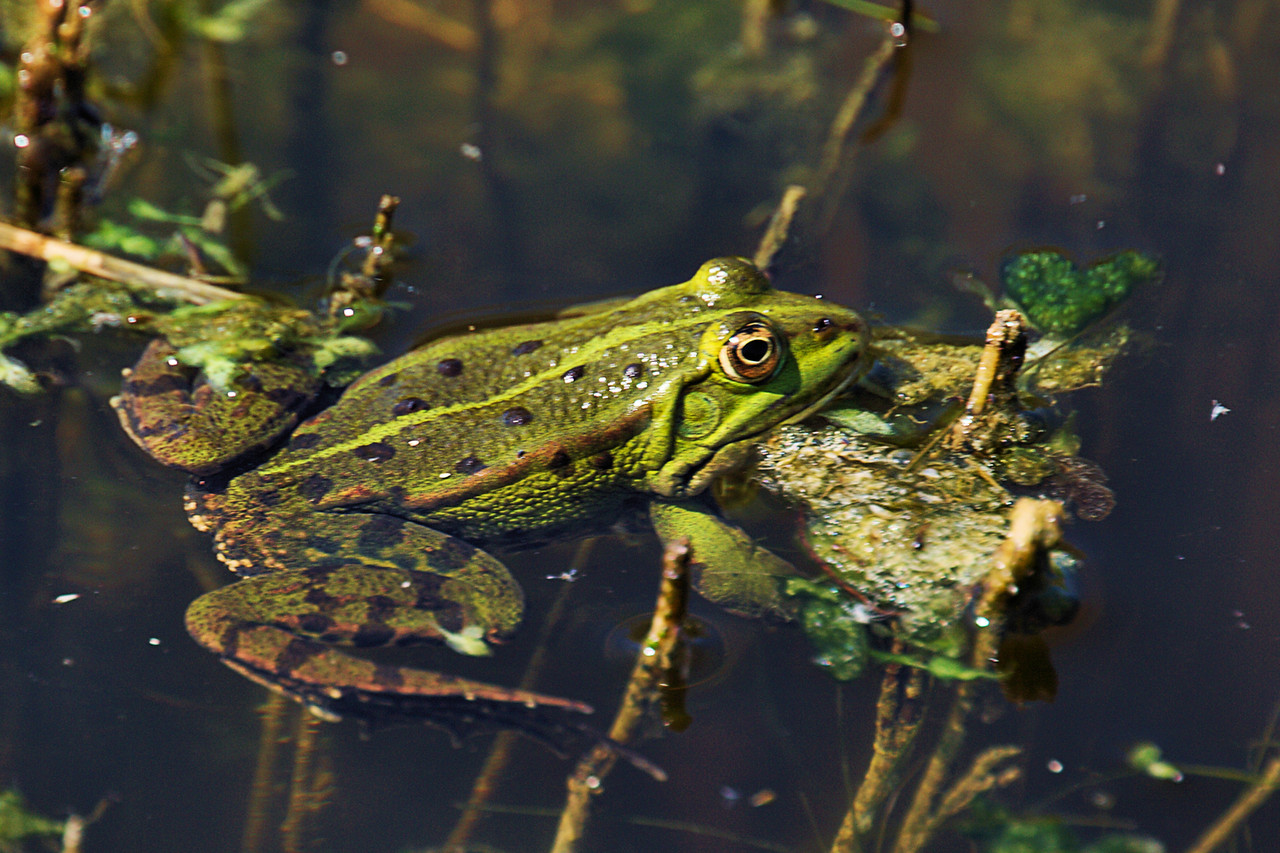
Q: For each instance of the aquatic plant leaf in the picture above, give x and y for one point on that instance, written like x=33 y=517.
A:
x=17 y=821
x=1060 y=299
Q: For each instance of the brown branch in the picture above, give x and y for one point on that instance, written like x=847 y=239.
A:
x=837 y=153
x=500 y=752
x=898 y=718
x=1246 y=804
x=775 y=236
x=1034 y=525
x=257 y=814
x=417 y=18
x=86 y=260
x=656 y=654
x=304 y=802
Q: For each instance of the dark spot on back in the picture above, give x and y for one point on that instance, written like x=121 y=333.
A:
x=372 y=635
x=409 y=405
x=250 y=382
x=389 y=379
x=304 y=440
x=449 y=617
x=314 y=623
x=601 y=461
x=162 y=384
x=270 y=497
x=380 y=532
x=449 y=367
x=378 y=451
x=319 y=599
x=426 y=588
x=525 y=347
x=559 y=460
x=517 y=416
x=633 y=370
x=380 y=607
x=315 y=487
x=286 y=398
x=470 y=465
x=573 y=374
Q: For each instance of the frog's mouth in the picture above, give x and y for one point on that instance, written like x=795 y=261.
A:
x=855 y=373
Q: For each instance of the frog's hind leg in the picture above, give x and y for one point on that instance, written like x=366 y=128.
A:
x=186 y=420
x=277 y=628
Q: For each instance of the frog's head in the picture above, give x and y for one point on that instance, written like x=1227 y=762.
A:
x=766 y=358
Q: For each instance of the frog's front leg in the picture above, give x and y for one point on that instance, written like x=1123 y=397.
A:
x=729 y=568
x=418 y=585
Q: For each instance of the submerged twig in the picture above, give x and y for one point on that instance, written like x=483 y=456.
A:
x=500 y=752
x=656 y=654
x=1164 y=20
x=984 y=774
x=216 y=75
x=1034 y=526
x=755 y=20
x=1246 y=804
x=837 y=152
x=775 y=236
x=424 y=21
x=53 y=127
x=306 y=789
x=166 y=284
x=898 y=719
x=255 y=824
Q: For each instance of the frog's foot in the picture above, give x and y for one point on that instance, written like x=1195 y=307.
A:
x=176 y=414
x=727 y=566
x=276 y=629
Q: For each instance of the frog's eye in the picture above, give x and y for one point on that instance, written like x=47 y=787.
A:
x=753 y=353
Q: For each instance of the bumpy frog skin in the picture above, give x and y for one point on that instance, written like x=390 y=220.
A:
x=366 y=527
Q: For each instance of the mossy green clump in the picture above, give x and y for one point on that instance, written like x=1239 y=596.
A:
x=1060 y=299
x=222 y=337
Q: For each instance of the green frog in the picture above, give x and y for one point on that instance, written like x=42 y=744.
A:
x=371 y=522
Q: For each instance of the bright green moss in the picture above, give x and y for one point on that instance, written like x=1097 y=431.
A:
x=1060 y=299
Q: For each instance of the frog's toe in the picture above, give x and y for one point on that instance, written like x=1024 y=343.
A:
x=335 y=685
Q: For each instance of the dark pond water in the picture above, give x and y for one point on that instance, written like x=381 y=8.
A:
x=612 y=147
